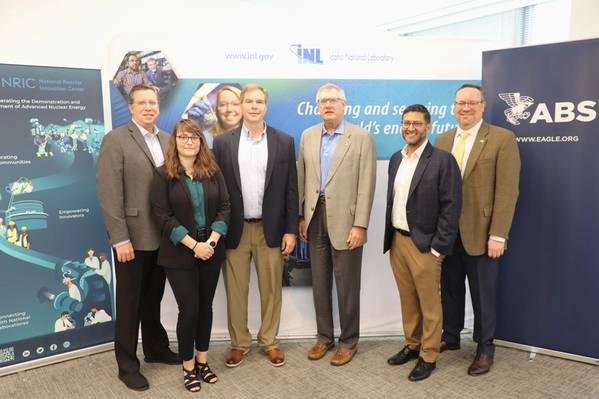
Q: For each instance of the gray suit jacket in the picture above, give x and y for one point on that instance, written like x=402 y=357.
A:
x=350 y=183
x=124 y=174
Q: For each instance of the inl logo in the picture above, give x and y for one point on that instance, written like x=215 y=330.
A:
x=306 y=55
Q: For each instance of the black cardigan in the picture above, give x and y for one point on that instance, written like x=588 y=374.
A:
x=171 y=204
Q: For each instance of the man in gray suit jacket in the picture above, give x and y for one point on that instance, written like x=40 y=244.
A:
x=124 y=171
x=336 y=174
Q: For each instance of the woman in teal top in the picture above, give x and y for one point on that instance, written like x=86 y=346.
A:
x=190 y=200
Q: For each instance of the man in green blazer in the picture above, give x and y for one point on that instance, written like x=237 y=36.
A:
x=336 y=179
x=490 y=165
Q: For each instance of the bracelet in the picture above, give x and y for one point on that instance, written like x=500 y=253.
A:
x=194 y=246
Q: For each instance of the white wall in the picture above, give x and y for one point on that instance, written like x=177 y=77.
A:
x=584 y=22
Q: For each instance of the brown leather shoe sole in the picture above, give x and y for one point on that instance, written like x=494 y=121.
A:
x=318 y=351
x=343 y=356
x=235 y=357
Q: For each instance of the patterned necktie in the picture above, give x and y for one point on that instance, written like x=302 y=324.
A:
x=458 y=151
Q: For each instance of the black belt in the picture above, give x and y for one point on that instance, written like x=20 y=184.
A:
x=322 y=200
x=203 y=234
x=403 y=232
x=253 y=220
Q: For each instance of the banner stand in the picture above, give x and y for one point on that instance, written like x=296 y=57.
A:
x=15 y=368
x=534 y=350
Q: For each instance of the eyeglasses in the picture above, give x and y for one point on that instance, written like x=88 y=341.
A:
x=144 y=103
x=332 y=100
x=186 y=139
x=468 y=103
x=416 y=124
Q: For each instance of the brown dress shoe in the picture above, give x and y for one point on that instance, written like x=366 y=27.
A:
x=481 y=365
x=319 y=350
x=448 y=347
x=276 y=357
x=235 y=357
x=343 y=356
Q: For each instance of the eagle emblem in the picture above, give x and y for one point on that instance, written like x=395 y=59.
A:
x=518 y=105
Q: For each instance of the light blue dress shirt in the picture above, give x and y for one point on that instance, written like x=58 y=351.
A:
x=328 y=144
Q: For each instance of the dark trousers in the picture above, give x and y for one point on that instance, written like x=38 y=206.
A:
x=139 y=291
x=482 y=280
x=194 y=291
x=346 y=265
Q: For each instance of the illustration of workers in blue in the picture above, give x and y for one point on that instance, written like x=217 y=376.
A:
x=24 y=241
x=21 y=186
x=63 y=323
x=72 y=289
x=92 y=261
x=105 y=269
x=74 y=138
x=12 y=235
x=96 y=315
x=2 y=229
x=40 y=141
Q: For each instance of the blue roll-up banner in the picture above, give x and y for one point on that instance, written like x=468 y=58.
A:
x=56 y=279
x=548 y=294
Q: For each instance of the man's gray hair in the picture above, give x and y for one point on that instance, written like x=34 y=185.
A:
x=328 y=86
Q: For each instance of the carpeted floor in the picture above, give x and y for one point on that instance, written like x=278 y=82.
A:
x=367 y=376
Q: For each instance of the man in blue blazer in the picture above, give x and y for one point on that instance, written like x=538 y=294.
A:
x=423 y=207
x=258 y=164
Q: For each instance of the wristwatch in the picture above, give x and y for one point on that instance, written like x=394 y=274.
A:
x=212 y=243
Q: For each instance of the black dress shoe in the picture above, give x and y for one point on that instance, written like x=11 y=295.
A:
x=403 y=356
x=135 y=381
x=422 y=370
x=448 y=347
x=169 y=357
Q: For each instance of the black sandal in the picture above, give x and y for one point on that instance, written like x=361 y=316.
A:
x=205 y=373
x=191 y=380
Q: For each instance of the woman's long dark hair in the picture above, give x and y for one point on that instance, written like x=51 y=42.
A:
x=204 y=165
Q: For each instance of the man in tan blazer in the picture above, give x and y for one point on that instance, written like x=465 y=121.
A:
x=124 y=171
x=490 y=165
x=336 y=179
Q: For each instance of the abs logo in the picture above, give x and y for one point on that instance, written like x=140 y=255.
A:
x=561 y=112
x=306 y=55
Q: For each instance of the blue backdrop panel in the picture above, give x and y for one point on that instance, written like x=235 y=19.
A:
x=548 y=294
x=374 y=104
x=51 y=124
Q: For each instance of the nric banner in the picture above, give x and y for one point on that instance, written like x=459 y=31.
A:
x=548 y=293
x=56 y=279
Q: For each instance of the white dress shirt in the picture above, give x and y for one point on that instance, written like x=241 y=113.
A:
x=153 y=143
x=401 y=186
x=252 y=158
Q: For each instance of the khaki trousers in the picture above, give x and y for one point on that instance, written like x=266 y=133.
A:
x=236 y=274
x=418 y=277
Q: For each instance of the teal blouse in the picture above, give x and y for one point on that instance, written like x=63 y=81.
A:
x=197 y=201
